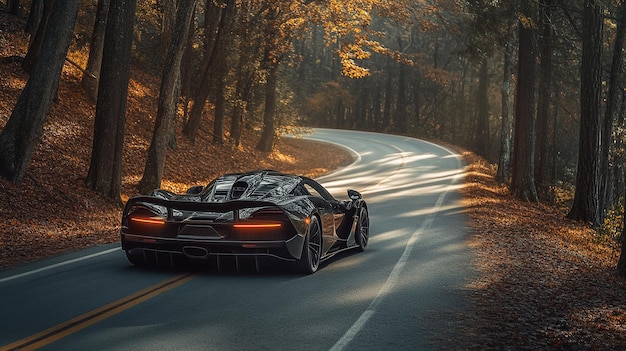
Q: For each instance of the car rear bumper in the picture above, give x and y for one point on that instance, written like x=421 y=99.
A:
x=196 y=247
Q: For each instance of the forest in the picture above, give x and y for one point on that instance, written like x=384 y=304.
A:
x=535 y=86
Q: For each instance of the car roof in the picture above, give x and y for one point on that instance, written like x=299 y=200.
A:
x=253 y=184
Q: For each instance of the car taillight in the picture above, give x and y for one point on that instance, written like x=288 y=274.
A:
x=257 y=225
x=148 y=220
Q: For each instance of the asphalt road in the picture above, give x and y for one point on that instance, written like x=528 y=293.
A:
x=402 y=293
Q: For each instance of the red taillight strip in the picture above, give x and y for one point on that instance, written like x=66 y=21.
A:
x=257 y=225
x=148 y=220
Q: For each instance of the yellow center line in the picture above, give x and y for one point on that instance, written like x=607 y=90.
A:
x=71 y=326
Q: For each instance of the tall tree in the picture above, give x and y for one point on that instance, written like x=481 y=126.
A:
x=168 y=98
x=36 y=41
x=14 y=6
x=586 y=205
x=611 y=110
x=481 y=135
x=34 y=17
x=504 y=160
x=266 y=143
x=21 y=134
x=544 y=101
x=105 y=169
x=215 y=45
x=91 y=75
x=281 y=24
x=523 y=173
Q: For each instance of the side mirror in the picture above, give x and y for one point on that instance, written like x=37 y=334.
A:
x=195 y=190
x=354 y=195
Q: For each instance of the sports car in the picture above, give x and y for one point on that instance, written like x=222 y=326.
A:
x=245 y=217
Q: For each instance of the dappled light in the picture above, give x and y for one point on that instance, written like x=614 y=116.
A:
x=539 y=271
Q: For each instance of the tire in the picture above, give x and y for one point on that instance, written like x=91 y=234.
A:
x=310 y=259
x=362 y=232
x=136 y=259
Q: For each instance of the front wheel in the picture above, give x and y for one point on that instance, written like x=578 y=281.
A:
x=362 y=233
x=310 y=259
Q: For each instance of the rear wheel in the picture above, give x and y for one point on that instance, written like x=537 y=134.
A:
x=309 y=262
x=362 y=232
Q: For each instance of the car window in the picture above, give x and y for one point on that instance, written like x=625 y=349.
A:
x=316 y=189
x=300 y=190
x=312 y=190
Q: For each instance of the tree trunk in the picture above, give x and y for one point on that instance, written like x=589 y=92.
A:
x=387 y=122
x=523 y=173
x=14 y=7
x=586 y=199
x=621 y=263
x=542 y=151
x=168 y=98
x=20 y=135
x=504 y=161
x=105 y=169
x=34 y=17
x=211 y=55
x=481 y=135
x=220 y=111
x=36 y=41
x=266 y=143
x=242 y=95
x=611 y=110
x=400 y=114
x=91 y=75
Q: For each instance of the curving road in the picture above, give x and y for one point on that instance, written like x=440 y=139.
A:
x=402 y=293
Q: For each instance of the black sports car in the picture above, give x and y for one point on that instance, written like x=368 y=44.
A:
x=245 y=216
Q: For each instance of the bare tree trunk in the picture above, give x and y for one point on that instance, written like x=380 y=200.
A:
x=34 y=17
x=542 y=150
x=611 y=110
x=387 y=122
x=523 y=173
x=14 y=6
x=20 y=135
x=586 y=199
x=91 y=76
x=220 y=111
x=269 y=114
x=105 y=169
x=202 y=92
x=36 y=41
x=168 y=98
x=504 y=161
x=481 y=135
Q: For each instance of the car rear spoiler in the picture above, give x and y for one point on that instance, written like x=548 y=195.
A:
x=221 y=207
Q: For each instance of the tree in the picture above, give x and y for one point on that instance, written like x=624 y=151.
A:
x=21 y=134
x=504 y=160
x=36 y=41
x=14 y=6
x=481 y=136
x=281 y=24
x=92 y=71
x=266 y=143
x=523 y=174
x=586 y=205
x=611 y=111
x=215 y=46
x=34 y=17
x=168 y=98
x=544 y=101
x=105 y=169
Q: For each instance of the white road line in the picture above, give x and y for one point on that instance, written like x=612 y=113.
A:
x=60 y=264
x=394 y=276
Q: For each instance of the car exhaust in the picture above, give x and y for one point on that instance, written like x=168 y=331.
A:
x=195 y=252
